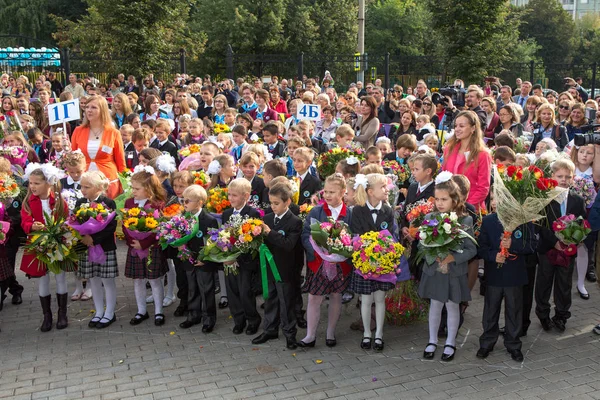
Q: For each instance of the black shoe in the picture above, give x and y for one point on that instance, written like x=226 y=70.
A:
x=251 y=330
x=238 y=329
x=207 y=328
x=264 y=338
x=105 y=322
x=180 y=310
x=591 y=276
x=516 y=355
x=309 y=344
x=223 y=303
x=483 y=353
x=583 y=296
x=428 y=355
x=139 y=318
x=366 y=343
x=559 y=324
x=301 y=322
x=94 y=322
x=17 y=299
x=378 y=344
x=446 y=357
x=546 y=324
x=502 y=331
x=330 y=342
x=159 y=319
x=189 y=323
x=291 y=344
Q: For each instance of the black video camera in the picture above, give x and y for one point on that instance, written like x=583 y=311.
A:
x=456 y=93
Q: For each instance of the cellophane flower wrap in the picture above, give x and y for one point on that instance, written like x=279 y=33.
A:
x=191 y=149
x=328 y=161
x=403 y=305
x=9 y=189
x=125 y=180
x=377 y=256
x=401 y=171
x=88 y=219
x=415 y=214
x=332 y=241
x=140 y=224
x=221 y=128
x=571 y=231
x=15 y=154
x=56 y=246
x=440 y=234
x=585 y=188
x=521 y=196
x=217 y=200
x=176 y=232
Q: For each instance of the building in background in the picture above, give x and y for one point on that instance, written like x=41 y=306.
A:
x=577 y=8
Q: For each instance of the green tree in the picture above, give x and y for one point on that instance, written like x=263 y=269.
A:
x=24 y=17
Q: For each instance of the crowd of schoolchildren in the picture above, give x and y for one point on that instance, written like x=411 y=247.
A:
x=256 y=158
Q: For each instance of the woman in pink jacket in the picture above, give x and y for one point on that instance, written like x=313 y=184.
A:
x=467 y=154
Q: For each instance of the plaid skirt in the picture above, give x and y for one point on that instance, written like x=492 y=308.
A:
x=7 y=270
x=360 y=285
x=318 y=284
x=109 y=269
x=137 y=268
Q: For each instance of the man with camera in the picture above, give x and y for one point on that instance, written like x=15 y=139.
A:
x=571 y=84
x=472 y=102
x=224 y=88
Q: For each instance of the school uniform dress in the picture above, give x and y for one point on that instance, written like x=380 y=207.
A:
x=281 y=241
x=317 y=283
x=309 y=185
x=554 y=276
x=137 y=268
x=366 y=219
x=454 y=285
x=104 y=238
x=201 y=280
x=242 y=302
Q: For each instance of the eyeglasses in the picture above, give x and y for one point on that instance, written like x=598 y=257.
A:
x=187 y=201
x=426 y=104
x=219 y=101
x=563 y=107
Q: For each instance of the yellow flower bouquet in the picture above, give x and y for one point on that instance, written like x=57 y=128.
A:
x=377 y=256
x=191 y=149
x=140 y=224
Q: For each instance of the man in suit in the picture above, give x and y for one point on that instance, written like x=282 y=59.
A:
x=283 y=230
x=551 y=274
x=505 y=97
x=521 y=99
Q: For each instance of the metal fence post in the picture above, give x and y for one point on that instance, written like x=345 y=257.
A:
x=182 y=65
x=301 y=66
x=230 y=62
x=66 y=64
x=387 y=71
x=594 y=68
x=531 y=68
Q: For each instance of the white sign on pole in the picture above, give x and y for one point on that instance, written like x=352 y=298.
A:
x=309 y=111
x=63 y=112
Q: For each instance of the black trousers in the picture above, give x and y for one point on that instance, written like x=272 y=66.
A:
x=11 y=284
x=201 y=296
x=590 y=244
x=531 y=262
x=553 y=277
x=279 y=309
x=513 y=318
x=182 y=282
x=242 y=302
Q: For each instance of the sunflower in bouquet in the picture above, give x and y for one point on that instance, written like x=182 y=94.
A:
x=221 y=128
x=217 y=200
x=139 y=224
x=191 y=149
x=89 y=219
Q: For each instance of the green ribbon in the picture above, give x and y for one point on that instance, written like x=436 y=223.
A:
x=267 y=257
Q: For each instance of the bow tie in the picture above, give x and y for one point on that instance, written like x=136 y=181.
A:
x=375 y=211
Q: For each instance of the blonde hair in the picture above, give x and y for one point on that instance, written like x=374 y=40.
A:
x=74 y=159
x=127 y=128
x=241 y=185
x=96 y=179
x=280 y=179
x=258 y=149
x=223 y=160
x=346 y=131
x=196 y=192
x=372 y=169
x=541 y=108
x=336 y=179
x=248 y=158
x=361 y=194
x=183 y=176
x=306 y=153
x=563 y=163
x=162 y=123
x=5 y=166
x=105 y=116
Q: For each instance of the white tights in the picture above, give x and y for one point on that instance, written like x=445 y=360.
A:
x=313 y=313
x=110 y=288
x=158 y=293
x=365 y=311
x=581 y=261
x=78 y=283
x=435 y=317
x=44 y=284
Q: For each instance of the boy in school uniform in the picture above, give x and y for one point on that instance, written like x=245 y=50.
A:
x=249 y=165
x=202 y=307
x=282 y=230
x=309 y=184
x=242 y=302
x=141 y=140
x=551 y=275
x=270 y=133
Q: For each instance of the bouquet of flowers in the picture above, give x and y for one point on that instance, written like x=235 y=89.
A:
x=295 y=183
x=415 y=214
x=328 y=161
x=304 y=210
x=521 y=196
x=217 y=200
x=403 y=305
x=15 y=154
x=522 y=145
x=585 y=188
x=71 y=196
x=377 y=256
x=88 y=219
x=140 y=224
x=172 y=210
x=9 y=189
x=440 y=234
x=200 y=178
x=191 y=149
x=125 y=180
x=571 y=232
x=332 y=241
x=56 y=246
x=221 y=128
x=399 y=170
x=176 y=231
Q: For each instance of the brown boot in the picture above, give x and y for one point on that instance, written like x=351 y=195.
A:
x=62 y=321
x=47 y=324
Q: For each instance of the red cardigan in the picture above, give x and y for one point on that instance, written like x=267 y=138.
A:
x=478 y=172
x=30 y=265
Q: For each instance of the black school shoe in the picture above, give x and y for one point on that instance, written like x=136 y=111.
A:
x=139 y=318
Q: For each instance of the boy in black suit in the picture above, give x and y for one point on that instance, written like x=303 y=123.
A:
x=282 y=230
x=309 y=184
x=141 y=140
x=249 y=164
x=242 y=302
x=270 y=133
x=550 y=275
x=126 y=134
x=202 y=306
x=162 y=131
x=504 y=283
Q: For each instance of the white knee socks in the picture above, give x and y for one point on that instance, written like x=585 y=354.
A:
x=97 y=295
x=581 y=261
x=171 y=278
x=139 y=287
x=365 y=312
x=158 y=293
x=313 y=313
x=379 y=297
x=110 y=288
x=435 y=317
x=453 y=322
x=333 y=313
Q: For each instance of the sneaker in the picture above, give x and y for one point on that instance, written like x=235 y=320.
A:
x=596 y=329
x=167 y=301
x=150 y=299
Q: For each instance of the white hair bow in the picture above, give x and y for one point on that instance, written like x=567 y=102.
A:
x=352 y=160
x=360 y=180
x=51 y=173
x=442 y=177
x=143 y=168
x=214 y=167
x=166 y=163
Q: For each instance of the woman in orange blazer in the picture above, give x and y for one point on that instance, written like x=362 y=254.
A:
x=101 y=143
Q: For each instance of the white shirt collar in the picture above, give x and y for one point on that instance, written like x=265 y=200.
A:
x=374 y=208
x=70 y=180
x=282 y=215
x=263 y=110
x=127 y=144
x=198 y=213
x=335 y=211
x=140 y=203
x=303 y=176
x=240 y=210
x=163 y=142
x=422 y=188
